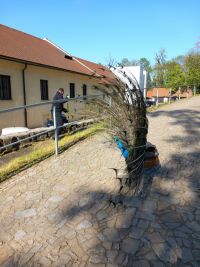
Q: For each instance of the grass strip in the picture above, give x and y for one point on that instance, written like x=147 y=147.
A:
x=44 y=151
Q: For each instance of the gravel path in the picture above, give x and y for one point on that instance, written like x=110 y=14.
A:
x=57 y=212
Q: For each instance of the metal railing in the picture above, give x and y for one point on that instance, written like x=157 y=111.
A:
x=52 y=128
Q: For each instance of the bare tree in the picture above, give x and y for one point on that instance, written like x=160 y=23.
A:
x=159 y=68
x=160 y=57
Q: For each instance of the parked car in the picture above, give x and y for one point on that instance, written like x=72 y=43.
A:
x=149 y=102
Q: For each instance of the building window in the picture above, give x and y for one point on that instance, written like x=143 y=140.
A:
x=72 y=90
x=84 y=91
x=44 y=89
x=5 y=87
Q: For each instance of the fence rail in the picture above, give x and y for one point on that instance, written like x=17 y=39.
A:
x=52 y=128
x=50 y=102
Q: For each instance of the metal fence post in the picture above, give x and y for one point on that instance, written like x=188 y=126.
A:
x=55 y=130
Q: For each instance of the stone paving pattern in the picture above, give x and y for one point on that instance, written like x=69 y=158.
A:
x=57 y=212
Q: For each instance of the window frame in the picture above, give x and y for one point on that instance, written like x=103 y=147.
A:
x=84 y=91
x=72 y=91
x=5 y=95
x=44 y=89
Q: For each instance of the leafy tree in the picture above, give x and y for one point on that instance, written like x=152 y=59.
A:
x=192 y=65
x=183 y=70
x=180 y=60
x=174 y=75
x=147 y=66
x=126 y=62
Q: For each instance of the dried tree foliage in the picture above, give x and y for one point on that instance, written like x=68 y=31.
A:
x=124 y=111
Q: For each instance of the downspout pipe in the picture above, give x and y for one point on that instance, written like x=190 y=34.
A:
x=24 y=94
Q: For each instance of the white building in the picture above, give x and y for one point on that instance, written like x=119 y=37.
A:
x=134 y=72
x=140 y=75
x=132 y=76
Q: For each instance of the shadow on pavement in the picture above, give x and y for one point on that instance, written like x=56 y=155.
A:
x=163 y=229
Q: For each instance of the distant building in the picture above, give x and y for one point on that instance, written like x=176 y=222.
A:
x=160 y=95
x=184 y=93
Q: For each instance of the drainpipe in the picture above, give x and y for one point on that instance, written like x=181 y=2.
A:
x=24 y=94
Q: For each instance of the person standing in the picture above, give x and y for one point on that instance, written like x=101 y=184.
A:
x=59 y=108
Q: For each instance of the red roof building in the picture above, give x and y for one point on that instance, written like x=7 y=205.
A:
x=160 y=92
x=32 y=69
x=184 y=94
x=22 y=47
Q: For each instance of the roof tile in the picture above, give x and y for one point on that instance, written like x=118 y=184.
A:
x=25 y=47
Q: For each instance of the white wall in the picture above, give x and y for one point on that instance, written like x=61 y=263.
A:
x=14 y=70
x=145 y=83
x=37 y=116
x=140 y=75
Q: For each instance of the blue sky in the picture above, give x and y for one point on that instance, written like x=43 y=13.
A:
x=99 y=29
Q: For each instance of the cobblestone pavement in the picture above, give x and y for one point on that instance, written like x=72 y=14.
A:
x=57 y=212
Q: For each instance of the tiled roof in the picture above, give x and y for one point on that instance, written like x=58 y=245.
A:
x=21 y=46
x=150 y=93
x=107 y=76
x=186 y=93
x=162 y=92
